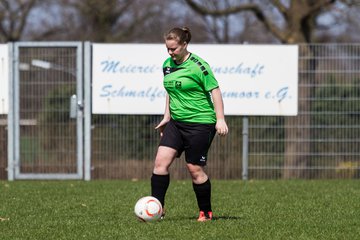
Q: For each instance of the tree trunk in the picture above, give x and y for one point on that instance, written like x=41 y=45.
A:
x=297 y=129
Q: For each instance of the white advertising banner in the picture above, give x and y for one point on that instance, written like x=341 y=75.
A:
x=254 y=79
x=4 y=79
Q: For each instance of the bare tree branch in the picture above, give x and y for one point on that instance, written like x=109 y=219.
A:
x=13 y=17
x=318 y=5
x=282 y=9
x=25 y=9
x=237 y=9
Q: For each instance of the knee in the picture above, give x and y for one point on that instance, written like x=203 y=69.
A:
x=164 y=157
x=197 y=173
x=160 y=166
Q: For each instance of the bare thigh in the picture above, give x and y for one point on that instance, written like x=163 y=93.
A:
x=164 y=158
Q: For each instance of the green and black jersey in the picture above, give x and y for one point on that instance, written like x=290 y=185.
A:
x=189 y=85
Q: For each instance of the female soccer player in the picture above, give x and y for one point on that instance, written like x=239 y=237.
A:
x=194 y=113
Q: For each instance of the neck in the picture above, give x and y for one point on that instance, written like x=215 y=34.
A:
x=183 y=59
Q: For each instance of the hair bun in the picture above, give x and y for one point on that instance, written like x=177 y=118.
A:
x=185 y=29
x=187 y=33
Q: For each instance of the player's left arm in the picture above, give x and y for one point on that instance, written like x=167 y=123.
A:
x=221 y=126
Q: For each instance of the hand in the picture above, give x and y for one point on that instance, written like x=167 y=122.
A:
x=162 y=125
x=221 y=127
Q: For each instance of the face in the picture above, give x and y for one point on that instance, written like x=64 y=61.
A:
x=176 y=50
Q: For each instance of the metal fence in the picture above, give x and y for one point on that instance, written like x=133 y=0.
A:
x=321 y=142
x=3 y=146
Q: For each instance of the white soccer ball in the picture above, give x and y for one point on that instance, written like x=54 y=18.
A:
x=148 y=209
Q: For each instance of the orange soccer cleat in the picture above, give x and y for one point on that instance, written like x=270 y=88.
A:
x=203 y=217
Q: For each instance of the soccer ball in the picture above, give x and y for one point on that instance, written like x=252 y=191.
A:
x=148 y=209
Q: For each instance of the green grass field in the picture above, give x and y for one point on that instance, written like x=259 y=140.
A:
x=243 y=210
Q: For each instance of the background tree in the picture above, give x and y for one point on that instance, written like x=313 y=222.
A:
x=97 y=21
x=108 y=21
x=298 y=22
x=13 y=18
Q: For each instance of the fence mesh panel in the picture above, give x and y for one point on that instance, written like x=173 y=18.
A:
x=328 y=122
x=47 y=134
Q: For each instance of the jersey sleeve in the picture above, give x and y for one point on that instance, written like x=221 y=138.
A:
x=207 y=77
x=204 y=73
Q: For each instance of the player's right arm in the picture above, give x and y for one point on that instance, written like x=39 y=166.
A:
x=166 y=117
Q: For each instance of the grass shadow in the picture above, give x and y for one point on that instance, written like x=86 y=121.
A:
x=227 y=218
x=215 y=218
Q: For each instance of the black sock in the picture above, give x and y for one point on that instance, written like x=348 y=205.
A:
x=203 y=195
x=159 y=186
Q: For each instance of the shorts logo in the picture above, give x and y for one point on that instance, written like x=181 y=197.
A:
x=202 y=159
x=178 y=84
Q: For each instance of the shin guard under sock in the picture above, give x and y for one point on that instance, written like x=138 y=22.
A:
x=159 y=186
x=203 y=195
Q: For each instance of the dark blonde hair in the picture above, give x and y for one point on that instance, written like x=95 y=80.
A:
x=181 y=35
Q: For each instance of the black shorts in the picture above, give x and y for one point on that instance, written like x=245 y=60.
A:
x=193 y=138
